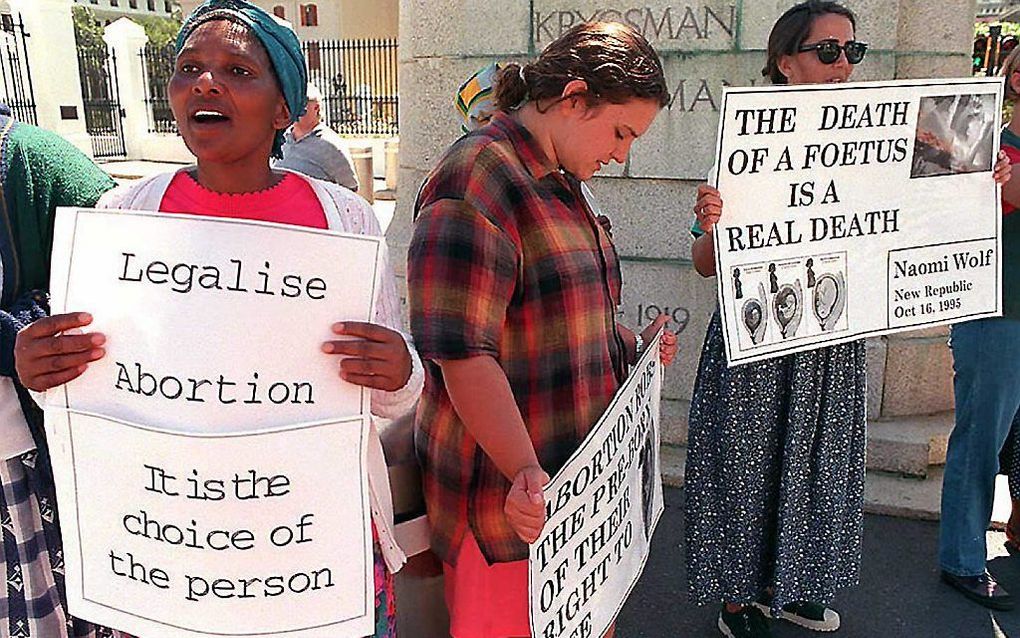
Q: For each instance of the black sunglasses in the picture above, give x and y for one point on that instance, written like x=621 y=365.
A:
x=828 y=50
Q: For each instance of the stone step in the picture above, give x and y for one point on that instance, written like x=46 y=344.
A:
x=909 y=446
x=910 y=497
x=673 y=460
x=903 y=496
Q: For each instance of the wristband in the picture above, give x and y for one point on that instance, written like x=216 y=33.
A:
x=639 y=345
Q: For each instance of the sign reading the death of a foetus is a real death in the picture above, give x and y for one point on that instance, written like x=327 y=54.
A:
x=855 y=210
x=212 y=324
x=184 y=535
x=601 y=510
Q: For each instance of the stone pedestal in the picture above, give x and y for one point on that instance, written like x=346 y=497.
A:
x=126 y=40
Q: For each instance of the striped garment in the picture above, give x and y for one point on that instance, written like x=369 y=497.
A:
x=507 y=261
x=39 y=171
x=33 y=560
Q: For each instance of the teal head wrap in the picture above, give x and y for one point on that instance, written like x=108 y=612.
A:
x=280 y=42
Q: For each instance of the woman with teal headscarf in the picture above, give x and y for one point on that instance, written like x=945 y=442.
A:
x=239 y=81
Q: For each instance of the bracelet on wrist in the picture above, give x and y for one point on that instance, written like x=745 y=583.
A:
x=639 y=345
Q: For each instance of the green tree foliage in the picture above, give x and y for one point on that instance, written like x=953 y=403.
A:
x=88 y=28
x=161 y=31
x=1008 y=28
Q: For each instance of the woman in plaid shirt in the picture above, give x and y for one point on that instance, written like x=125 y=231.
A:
x=513 y=287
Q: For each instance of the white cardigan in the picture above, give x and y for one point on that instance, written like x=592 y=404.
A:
x=349 y=213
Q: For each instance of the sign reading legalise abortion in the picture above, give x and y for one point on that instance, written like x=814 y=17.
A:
x=212 y=324
x=211 y=467
x=856 y=210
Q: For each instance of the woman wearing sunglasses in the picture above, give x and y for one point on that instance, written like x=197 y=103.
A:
x=776 y=456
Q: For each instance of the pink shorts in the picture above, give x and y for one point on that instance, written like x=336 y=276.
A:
x=486 y=601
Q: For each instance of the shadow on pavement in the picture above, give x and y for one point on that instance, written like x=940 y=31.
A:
x=900 y=594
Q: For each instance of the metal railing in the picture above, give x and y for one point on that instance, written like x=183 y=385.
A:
x=157 y=67
x=15 y=74
x=358 y=80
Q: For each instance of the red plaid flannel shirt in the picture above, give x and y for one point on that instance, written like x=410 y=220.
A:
x=507 y=261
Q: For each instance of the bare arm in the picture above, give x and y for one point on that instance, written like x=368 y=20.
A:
x=703 y=255
x=482 y=397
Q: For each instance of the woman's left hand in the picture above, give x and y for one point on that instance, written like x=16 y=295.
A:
x=1003 y=169
x=379 y=359
x=668 y=345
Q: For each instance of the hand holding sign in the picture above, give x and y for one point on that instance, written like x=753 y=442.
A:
x=1003 y=169
x=48 y=355
x=379 y=359
x=708 y=207
x=525 y=503
x=668 y=344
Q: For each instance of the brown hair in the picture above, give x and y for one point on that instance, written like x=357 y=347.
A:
x=1010 y=66
x=614 y=60
x=792 y=28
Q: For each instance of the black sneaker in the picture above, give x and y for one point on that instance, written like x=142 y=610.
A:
x=749 y=622
x=981 y=589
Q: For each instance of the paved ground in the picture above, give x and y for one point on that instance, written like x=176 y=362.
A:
x=899 y=596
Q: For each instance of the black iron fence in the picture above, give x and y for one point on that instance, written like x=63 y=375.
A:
x=15 y=75
x=358 y=80
x=157 y=67
x=100 y=95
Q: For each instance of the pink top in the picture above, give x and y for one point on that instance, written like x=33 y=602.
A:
x=291 y=201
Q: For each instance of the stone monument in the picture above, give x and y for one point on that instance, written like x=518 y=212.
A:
x=705 y=45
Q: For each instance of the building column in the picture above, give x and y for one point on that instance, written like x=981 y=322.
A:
x=126 y=40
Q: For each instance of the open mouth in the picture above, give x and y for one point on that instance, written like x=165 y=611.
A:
x=209 y=117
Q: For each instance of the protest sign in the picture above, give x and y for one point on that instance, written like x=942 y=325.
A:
x=211 y=467
x=182 y=535
x=601 y=510
x=212 y=323
x=855 y=210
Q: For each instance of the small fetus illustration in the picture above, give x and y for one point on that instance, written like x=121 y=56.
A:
x=788 y=307
x=829 y=300
x=754 y=316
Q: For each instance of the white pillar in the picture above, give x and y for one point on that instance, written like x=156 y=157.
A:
x=54 y=65
x=126 y=39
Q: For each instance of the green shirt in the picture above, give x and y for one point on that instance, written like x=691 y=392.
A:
x=40 y=171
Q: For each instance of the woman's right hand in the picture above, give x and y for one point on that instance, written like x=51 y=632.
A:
x=708 y=207
x=46 y=356
x=525 y=503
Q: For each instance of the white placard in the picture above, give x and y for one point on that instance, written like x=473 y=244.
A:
x=856 y=210
x=181 y=535
x=213 y=324
x=601 y=511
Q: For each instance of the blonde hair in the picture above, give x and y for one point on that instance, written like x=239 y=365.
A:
x=1010 y=66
